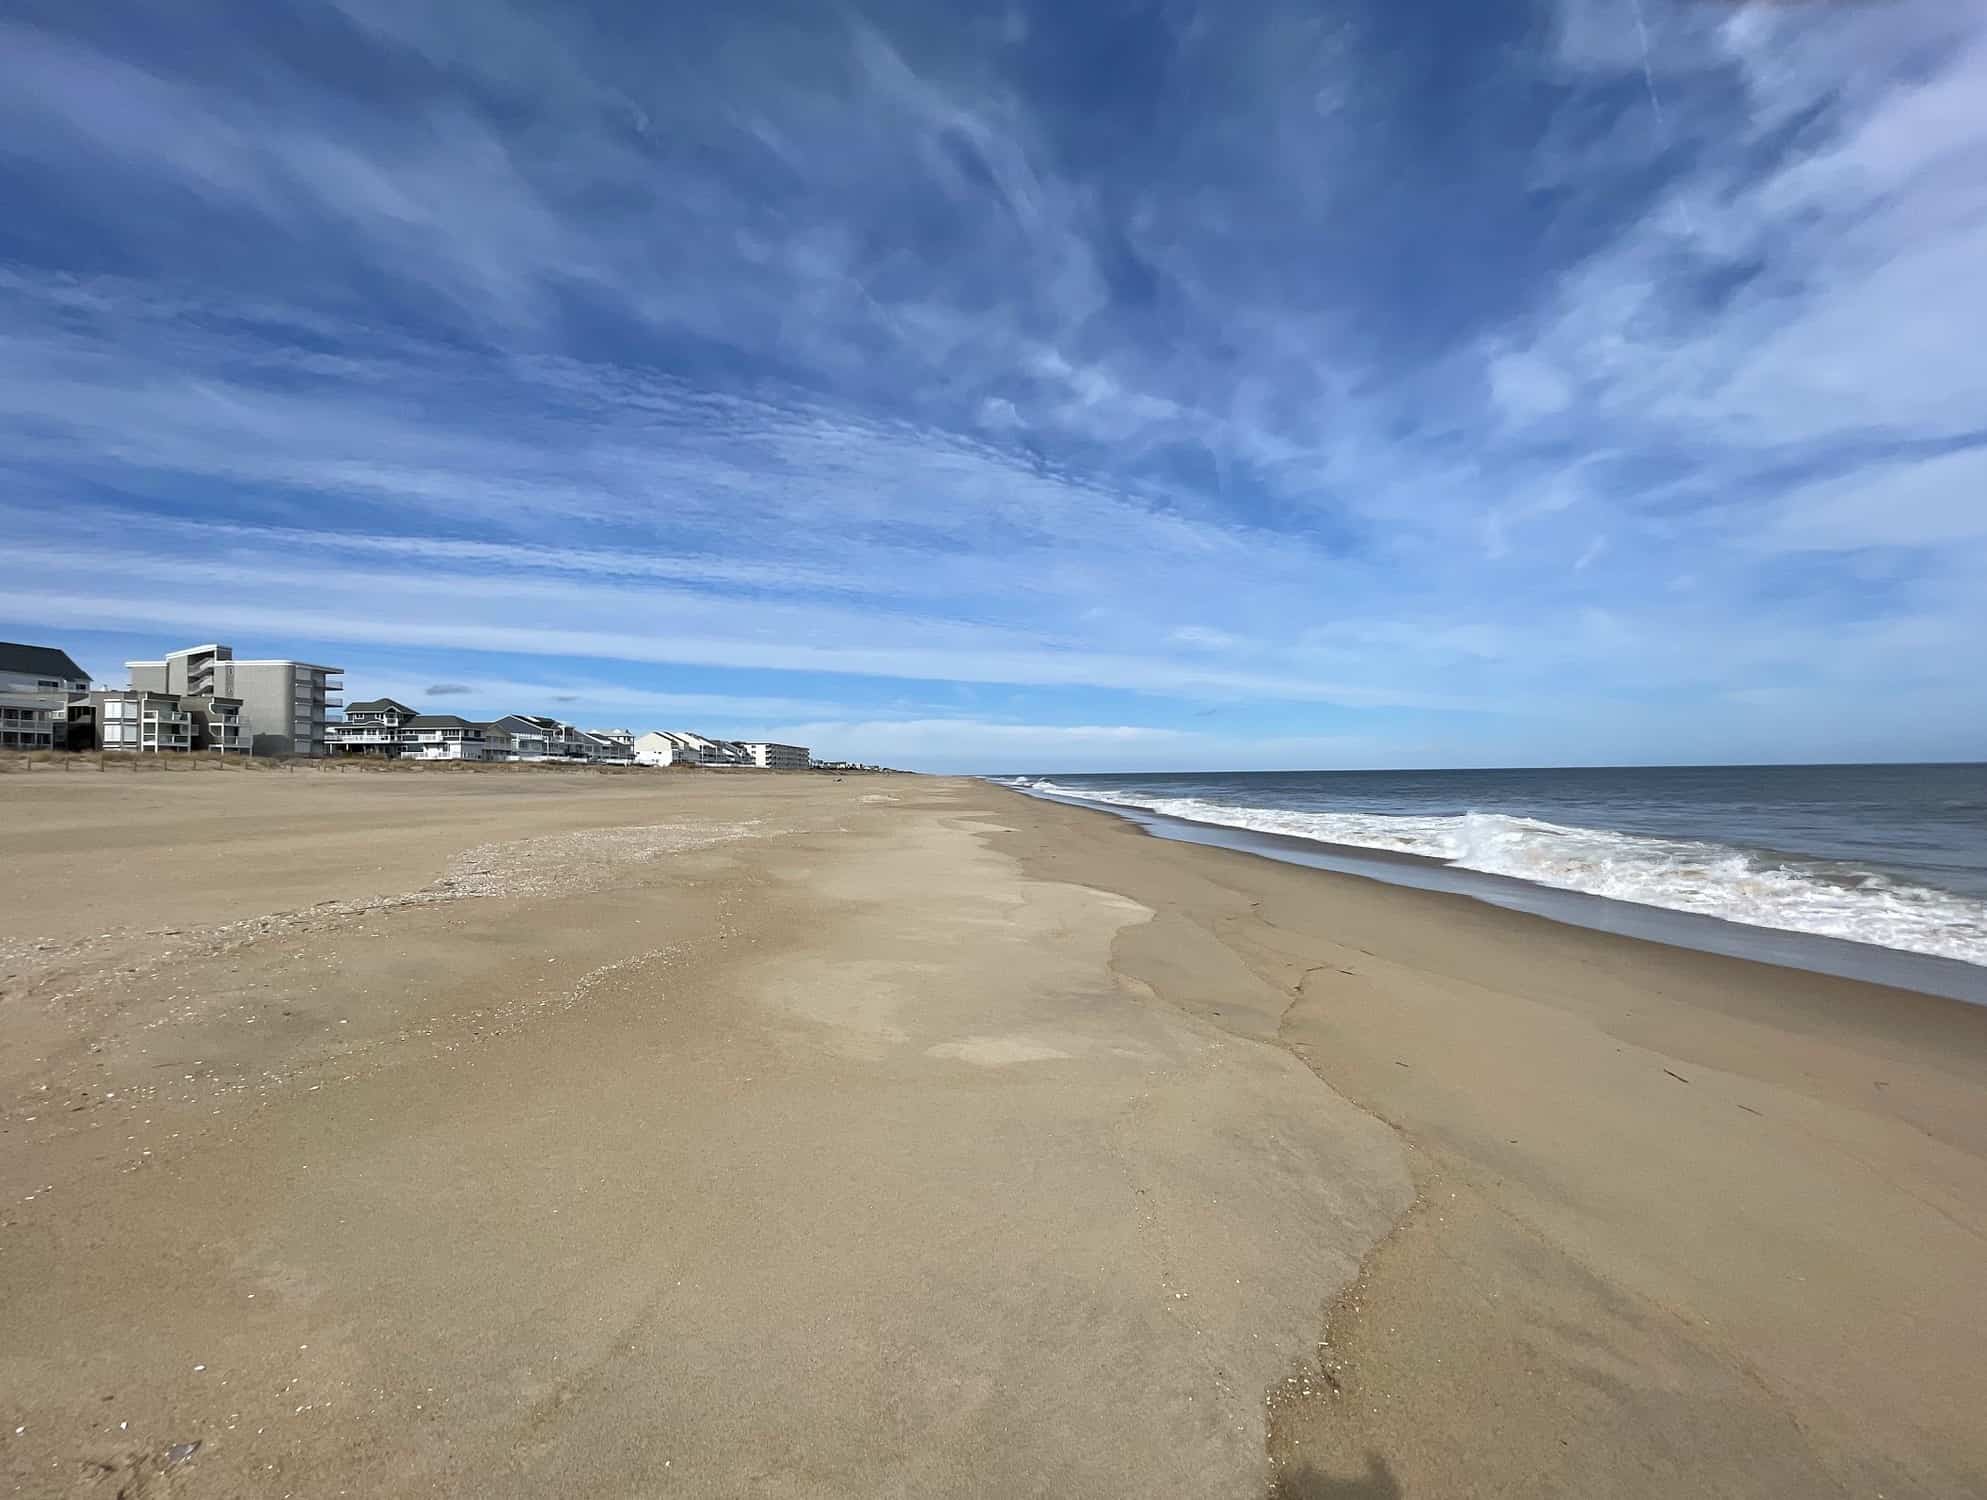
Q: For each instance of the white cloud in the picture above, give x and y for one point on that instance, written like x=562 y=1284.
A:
x=1853 y=308
x=1528 y=388
x=1927 y=502
x=1059 y=407
x=1204 y=637
x=490 y=616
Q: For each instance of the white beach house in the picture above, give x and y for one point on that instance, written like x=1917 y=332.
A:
x=370 y=728
x=447 y=737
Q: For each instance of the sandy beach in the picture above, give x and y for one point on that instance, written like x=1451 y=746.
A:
x=774 y=1135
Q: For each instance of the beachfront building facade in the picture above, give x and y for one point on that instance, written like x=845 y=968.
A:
x=447 y=737
x=527 y=736
x=774 y=757
x=40 y=669
x=534 y=737
x=700 y=750
x=149 y=723
x=679 y=747
x=29 y=723
x=287 y=703
x=654 y=749
x=370 y=728
x=618 y=745
x=142 y=722
x=37 y=685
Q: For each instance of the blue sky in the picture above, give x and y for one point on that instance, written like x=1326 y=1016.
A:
x=1074 y=386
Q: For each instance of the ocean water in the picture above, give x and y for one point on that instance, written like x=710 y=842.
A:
x=1889 y=856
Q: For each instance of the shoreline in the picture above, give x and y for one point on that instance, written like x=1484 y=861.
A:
x=1897 y=968
x=785 y=1136
x=1672 y=1207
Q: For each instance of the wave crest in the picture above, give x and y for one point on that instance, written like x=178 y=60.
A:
x=1751 y=887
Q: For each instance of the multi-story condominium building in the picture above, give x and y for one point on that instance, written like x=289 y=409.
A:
x=776 y=757
x=286 y=702
x=36 y=686
x=222 y=723
x=446 y=737
x=370 y=728
x=142 y=721
x=156 y=723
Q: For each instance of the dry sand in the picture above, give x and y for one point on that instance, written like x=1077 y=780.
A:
x=772 y=1135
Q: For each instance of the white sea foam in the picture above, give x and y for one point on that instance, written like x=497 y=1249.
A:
x=1713 y=880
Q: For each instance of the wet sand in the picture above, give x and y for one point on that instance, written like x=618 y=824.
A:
x=1686 y=1225
x=772 y=1135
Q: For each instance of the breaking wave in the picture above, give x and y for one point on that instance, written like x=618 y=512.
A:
x=1755 y=887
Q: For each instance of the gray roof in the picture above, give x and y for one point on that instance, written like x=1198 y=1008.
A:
x=39 y=661
x=379 y=705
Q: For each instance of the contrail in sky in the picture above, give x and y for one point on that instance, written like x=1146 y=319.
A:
x=1648 y=74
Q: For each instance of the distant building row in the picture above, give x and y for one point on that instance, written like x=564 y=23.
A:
x=393 y=730
x=202 y=698
x=678 y=747
x=388 y=729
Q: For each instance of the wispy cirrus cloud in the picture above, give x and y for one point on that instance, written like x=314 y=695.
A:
x=1537 y=382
